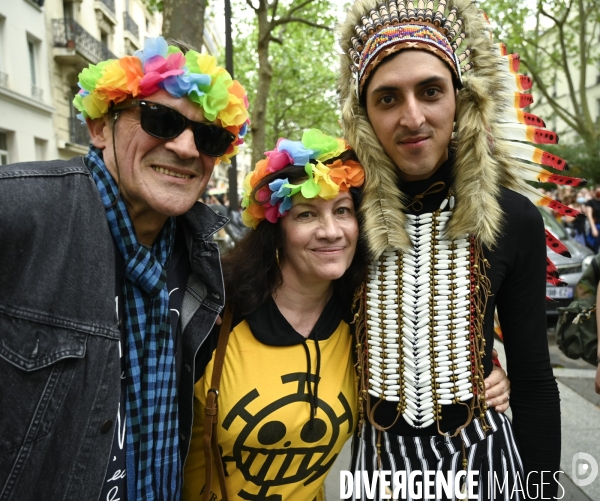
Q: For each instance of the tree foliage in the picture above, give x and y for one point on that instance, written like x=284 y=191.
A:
x=561 y=45
x=285 y=56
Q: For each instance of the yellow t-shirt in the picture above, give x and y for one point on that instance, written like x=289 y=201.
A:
x=271 y=448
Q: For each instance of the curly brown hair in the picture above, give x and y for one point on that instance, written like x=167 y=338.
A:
x=250 y=269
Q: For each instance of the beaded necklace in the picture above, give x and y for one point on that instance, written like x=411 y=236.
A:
x=420 y=325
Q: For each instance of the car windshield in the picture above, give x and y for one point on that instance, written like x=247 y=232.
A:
x=552 y=224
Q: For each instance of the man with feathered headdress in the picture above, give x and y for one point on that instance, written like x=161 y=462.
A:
x=110 y=282
x=431 y=107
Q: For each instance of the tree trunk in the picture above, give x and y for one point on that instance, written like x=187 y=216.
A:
x=588 y=122
x=184 y=20
x=265 y=75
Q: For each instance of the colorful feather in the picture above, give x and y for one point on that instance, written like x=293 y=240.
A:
x=535 y=155
x=521 y=100
x=556 y=245
x=551 y=270
x=517 y=116
x=530 y=172
x=559 y=207
x=535 y=135
x=552 y=276
x=541 y=200
x=516 y=125
x=556 y=282
x=523 y=82
x=518 y=82
x=513 y=61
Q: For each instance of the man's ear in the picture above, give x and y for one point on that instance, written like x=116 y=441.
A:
x=99 y=131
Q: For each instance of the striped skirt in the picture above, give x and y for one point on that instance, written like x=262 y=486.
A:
x=492 y=459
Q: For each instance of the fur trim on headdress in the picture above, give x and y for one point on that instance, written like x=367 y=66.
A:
x=476 y=171
x=491 y=132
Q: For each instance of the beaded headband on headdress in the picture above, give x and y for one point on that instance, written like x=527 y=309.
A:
x=161 y=66
x=494 y=138
x=385 y=32
x=273 y=201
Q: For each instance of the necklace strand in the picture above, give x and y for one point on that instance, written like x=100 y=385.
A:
x=418 y=321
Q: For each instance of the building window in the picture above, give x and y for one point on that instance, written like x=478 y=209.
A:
x=40 y=149
x=36 y=89
x=69 y=10
x=3 y=148
x=32 y=61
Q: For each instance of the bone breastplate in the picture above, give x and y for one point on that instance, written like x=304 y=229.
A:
x=421 y=323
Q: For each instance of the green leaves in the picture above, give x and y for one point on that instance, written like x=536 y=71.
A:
x=558 y=44
x=302 y=93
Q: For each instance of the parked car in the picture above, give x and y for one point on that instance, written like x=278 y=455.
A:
x=569 y=269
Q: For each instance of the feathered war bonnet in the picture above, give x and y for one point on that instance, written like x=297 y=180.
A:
x=491 y=132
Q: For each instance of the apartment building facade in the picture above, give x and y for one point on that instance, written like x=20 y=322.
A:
x=26 y=108
x=84 y=32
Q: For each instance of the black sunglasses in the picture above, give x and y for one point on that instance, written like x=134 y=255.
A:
x=164 y=122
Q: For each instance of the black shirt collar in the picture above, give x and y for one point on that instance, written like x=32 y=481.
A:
x=431 y=202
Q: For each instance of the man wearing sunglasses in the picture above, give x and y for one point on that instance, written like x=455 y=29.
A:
x=109 y=282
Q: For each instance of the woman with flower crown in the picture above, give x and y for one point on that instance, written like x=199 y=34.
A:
x=288 y=395
x=287 y=398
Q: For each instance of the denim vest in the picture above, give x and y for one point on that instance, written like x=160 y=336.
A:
x=59 y=338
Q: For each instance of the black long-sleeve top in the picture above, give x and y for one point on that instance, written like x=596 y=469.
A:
x=517 y=273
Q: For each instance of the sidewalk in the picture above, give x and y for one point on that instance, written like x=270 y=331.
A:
x=580 y=416
x=580 y=429
x=580 y=408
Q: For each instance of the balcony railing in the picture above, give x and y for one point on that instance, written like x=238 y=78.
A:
x=130 y=25
x=37 y=92
x=3 y=79
x=69 y=34
x=110 y=4
x=78 y=132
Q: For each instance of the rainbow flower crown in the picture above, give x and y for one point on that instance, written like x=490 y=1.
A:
x=162 y=66
x=273 y=201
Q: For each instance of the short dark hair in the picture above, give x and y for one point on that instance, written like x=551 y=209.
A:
x=250 y=270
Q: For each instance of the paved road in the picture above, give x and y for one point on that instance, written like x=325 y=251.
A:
x=580 y=408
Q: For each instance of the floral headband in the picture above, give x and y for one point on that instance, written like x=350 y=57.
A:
x=273 y=201
x=162 y=66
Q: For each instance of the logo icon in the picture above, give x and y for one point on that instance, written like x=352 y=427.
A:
x=584 y=469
